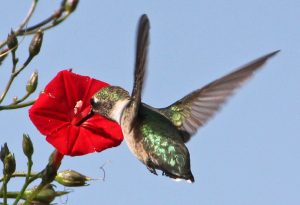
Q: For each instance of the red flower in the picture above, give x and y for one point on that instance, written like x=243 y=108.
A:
x=62 y=114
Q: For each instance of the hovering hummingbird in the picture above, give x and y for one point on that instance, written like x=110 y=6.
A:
x=155 y=136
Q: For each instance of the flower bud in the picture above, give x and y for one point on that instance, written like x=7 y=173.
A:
x=15 y=99
x=36 y=43
x=70 y=5
x=32 y=82
x=9 y=164
x=27 y=146
x=4 y=152
x=49 y=173
x=12 y=41
x=71 y=178
x=46 y=195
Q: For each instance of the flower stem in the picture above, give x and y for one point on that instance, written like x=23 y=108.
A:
x=12 y=194
x=38 y=26
x=28 y=60
x=22 y=99
x=14 y=61
x=4 y=189
x=25 y=21
x=27 y=182
x=20 y=174
x=55 y=18
x=14 y=73
x=48 y=174
x=29 y=14
x=16 y=106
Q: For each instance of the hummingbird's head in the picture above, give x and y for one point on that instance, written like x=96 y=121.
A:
x=110 y=102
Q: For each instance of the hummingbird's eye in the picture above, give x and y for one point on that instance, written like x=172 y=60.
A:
x=92 y=101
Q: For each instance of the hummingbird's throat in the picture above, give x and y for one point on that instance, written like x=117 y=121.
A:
x=118 y=109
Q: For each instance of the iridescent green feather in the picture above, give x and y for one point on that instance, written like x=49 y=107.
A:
x=177 y=114
x=163 y=143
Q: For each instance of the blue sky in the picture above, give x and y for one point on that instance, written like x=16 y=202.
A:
x=248 y=154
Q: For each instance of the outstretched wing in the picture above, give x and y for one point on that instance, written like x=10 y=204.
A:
x=140 y=64
x=195 y=109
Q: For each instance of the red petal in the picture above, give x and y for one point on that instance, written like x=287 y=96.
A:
x=53 y=114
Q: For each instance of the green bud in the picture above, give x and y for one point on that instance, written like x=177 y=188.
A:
x=15 y=99
x=9 y=164
x=70 y=5
x=46 y=195
x=27 y=146
x=32 y=82
x=71 y=178
x=4 y=152
x=49 y=173
x=12 y=41
x=36 y=43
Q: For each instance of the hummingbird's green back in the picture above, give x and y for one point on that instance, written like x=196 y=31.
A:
x=162 y=140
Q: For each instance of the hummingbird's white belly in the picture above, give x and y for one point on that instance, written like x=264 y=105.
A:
x=134 y=143
x=123 y=115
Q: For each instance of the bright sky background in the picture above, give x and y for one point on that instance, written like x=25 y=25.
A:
x=248 y=154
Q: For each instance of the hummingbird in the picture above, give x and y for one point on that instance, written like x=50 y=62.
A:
x=157 y=136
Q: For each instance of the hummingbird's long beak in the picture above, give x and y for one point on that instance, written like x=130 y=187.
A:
x=90 y=114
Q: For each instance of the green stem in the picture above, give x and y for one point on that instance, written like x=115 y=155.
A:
x=25 y=21
x=10 y=194
x=35 y=177
x=14 y=74
x=55 y=22
x=16 y=174
x=33 y=29
x=28 y=60
x=48 y=174
x=14 y=61
x=29 y=166
x=11 y=79
x=4 y=189
x=14 y=194
x=53 y=18
x=16 y=106
x=29 y=14
x=22 y=99
x=3 y=53
x=21 y=174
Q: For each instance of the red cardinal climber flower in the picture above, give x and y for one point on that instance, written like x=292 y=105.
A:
x=62 y=114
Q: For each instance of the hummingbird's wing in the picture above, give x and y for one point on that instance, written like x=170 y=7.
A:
x=140 y=64
x=194 y=110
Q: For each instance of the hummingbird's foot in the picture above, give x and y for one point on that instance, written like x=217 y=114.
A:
x=150 y=167
x=152 y=170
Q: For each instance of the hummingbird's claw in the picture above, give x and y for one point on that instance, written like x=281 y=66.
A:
x=151 y=169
